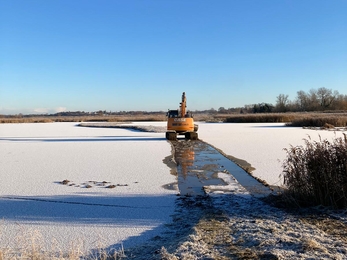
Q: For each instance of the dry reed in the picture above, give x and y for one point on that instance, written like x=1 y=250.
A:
x=261 y=118
x=335 y=120
x=31 y=244
x=317 y=174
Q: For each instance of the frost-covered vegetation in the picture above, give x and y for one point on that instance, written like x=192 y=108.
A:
x=316 y=174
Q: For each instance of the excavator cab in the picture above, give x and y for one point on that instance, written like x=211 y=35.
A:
x=172 y=113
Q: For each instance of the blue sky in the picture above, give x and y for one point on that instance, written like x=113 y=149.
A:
x=120 y=55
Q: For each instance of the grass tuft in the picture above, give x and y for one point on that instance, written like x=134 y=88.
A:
x=317 y=173
x=31 y=244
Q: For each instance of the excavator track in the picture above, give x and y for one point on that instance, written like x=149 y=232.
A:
x=172 y=135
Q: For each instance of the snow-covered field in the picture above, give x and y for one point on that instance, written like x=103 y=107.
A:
x=36 y=158
x=260 y=144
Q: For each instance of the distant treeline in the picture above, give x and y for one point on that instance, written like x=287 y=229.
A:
x=321 y=99
x=98 y=113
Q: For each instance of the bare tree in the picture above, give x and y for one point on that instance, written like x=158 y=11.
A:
x=340 y=102
x=282 y=103
x=326 y=97
x=302 y=101
x=313 y=102
x=222 y=110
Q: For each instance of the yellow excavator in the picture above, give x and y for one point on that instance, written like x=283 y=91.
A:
x=181 y=122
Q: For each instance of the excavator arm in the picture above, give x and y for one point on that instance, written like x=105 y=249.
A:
x=183 y=105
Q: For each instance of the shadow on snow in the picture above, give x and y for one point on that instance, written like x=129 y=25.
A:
x=98 y=211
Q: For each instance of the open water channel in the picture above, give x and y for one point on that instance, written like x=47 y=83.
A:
x=198 y=165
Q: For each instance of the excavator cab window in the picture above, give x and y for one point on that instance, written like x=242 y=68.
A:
x=172 y=113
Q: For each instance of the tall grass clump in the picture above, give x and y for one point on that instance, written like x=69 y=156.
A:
x=317 y=174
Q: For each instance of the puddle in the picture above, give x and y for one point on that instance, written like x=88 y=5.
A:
x=198 y=165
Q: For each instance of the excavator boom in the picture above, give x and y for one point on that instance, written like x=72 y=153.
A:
x=183 y=105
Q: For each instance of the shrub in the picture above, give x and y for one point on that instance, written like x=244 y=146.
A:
x=317 y=174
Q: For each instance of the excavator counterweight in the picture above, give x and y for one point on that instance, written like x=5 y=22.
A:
x=181 y=122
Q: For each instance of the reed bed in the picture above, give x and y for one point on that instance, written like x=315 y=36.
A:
x=12 y=120
x=334 y=120
x=317 y=173
x=107 y=118
x=51 y=119
x=313 y=119
x=261 y=118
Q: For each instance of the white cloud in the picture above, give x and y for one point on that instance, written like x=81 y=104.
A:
x=26 y=111
x=60 y=109
x=49 y=110
x=41 y=110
